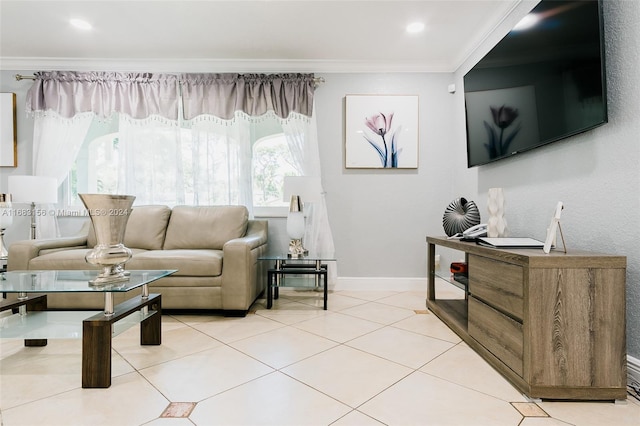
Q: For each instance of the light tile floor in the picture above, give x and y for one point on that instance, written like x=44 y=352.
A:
x=374 y=358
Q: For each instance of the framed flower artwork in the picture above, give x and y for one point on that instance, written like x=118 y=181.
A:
x=381 y=132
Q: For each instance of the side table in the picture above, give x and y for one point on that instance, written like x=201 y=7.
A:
x=312 y=264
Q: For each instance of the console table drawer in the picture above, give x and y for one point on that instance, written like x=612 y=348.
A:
x=501 y=335
x=499 y=284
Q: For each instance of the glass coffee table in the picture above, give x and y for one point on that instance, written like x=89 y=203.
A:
x=287 y=272
x=32 y=322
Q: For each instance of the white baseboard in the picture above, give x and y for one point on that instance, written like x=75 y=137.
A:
x=633 y=371
x=381 y=284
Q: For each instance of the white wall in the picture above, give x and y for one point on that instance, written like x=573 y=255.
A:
x=596 y=174
x=380 y=218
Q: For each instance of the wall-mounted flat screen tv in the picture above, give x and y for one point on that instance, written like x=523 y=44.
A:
x=539 y=84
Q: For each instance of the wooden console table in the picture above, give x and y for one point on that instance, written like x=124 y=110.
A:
x=552 y=324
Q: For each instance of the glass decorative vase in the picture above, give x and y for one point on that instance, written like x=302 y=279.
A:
x=109 y=215
x=497 y=224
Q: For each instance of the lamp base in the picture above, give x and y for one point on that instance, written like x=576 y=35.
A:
x=296 y=250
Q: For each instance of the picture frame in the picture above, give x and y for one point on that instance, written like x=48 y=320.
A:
x=8 y=132
x=381 y=132
x=553 y=228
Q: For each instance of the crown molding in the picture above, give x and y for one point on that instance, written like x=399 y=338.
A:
x=511 y=15
x=216 y=65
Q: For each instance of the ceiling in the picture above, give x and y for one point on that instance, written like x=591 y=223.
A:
x=239 y=35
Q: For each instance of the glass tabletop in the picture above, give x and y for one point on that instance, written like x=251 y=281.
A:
x=324 y=257
x=73 y=281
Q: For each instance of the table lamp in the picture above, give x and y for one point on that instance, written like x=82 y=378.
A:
x=299 y=190
x=33 y=189
x=6 y=220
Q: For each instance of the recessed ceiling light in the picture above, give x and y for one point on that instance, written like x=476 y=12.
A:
x=80 y=24
x=415 y=27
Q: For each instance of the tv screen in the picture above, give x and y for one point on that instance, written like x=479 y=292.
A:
x=539 y=84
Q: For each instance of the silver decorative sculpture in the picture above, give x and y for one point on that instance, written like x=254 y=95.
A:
x=459 y=216
x=109 y=215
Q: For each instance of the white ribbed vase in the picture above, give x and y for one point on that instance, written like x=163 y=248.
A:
x=497 y=224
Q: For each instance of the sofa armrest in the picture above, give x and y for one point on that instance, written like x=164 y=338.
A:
x=241 y=284
x=257 y=234
x=21 y=252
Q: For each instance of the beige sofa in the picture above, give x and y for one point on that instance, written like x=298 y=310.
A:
x=214 y=248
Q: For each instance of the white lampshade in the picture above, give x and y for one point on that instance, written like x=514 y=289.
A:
x=33 y=189
x=6 y=213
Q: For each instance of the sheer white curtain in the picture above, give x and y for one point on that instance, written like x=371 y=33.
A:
x=302 y=137
x=206 y=161
x=222 y=160
x=64 y=104
x=56 y=142
x=149 y=161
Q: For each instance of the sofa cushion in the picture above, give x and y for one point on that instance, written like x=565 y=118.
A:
x=65 y=259
x=193 y=263
x=205 y=227
x=146 y=228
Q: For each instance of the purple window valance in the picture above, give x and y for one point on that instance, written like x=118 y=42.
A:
x=141 y=95
x=138 y=95
x=221 y=95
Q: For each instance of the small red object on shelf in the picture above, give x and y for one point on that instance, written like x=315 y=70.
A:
x=458 y=267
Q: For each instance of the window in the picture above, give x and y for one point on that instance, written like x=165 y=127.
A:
x=172 y=165
x=272 y=161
